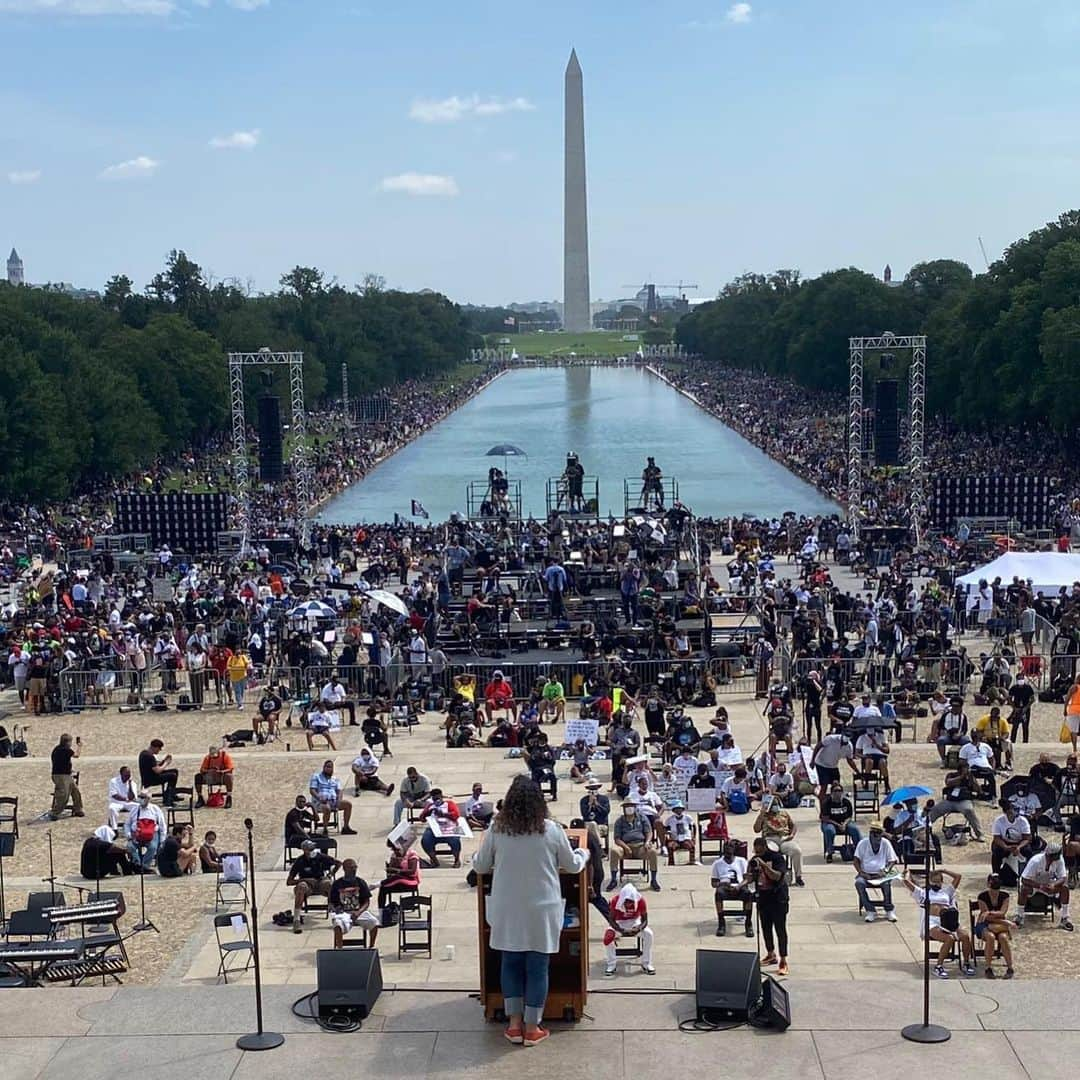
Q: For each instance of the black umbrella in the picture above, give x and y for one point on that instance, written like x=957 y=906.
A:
x=1022 y=786
x=505 y=450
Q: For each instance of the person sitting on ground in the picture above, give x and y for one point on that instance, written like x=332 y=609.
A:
x=103 y=855
x=324 y=790
x=365 y=770
x=875 y=857
x=154 y=771
x=478 y=810
x=872 y=753
x=993 y=926
x=217 y=770
x=145 y=831
x=446 y=815
x=169 y=855
x=679 y=833
x=209 y=856
x=837 y=817
x=553 y=699
x=956 y=799
x=995 y=730
x=374 y=730
x=350 y=905
x=728 y=876
x=1010 y=844
x=945 y=926
x=413 y=793
x=632 y=838
x=775 y=824
x=402 y=873
x=629 y=917
x=123 y=798
x=1045 y=873
x=318 y=723
x=580 y=760
x=977 y=755
x=268 y=712
x=499 y=694
x=311 y=874
x=299 y=823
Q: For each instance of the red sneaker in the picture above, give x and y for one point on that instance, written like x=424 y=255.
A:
x=514 y=1035
x=537 y=1035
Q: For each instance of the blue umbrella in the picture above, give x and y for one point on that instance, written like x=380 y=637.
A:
x=912 y=791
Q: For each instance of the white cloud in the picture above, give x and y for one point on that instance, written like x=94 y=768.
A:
x=24 y=176
x=411 y=183
x=247 y=5
x=450 y=110
x=238 y=140
x=131 y=170
x=89 y=7
x=739 y=13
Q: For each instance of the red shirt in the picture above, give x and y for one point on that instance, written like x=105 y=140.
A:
x=500 y=692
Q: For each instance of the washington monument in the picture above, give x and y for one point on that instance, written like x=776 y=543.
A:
x=576 y=316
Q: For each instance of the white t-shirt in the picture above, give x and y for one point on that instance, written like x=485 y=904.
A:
x=333 y=692
x=685 y=766
x=729 y=873
x=976 y=756
x=869 y=746
x=874 y=862
x=862 y=711
x=368 y=764
x=680 y=827
x=781 y=783
x=1013 y=832
x=1039 y=872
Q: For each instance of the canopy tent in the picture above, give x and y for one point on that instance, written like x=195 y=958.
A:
x=1047 y=571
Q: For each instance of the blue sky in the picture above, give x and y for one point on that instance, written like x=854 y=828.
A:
x=422 y=141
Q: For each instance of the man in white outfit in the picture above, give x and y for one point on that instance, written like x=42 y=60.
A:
x=629 y=918
x=123 y=797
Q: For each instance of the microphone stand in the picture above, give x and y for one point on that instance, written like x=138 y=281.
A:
x=144 y=923
x=51 y=879
x=260 y=1039
x=926 y=1032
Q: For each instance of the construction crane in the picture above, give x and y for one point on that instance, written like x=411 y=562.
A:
x=651 y=290
x=982 y=248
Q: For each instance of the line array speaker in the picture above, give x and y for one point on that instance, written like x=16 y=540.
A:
x=887 y=422
x=271 y=452
x=1025 y=499
x=187 y=522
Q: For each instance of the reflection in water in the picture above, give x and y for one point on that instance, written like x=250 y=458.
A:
x=612 y=417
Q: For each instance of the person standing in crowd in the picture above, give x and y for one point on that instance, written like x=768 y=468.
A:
x=524 y=851
x=65 y=789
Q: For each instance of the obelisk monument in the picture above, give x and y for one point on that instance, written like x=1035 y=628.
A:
x=576 y=314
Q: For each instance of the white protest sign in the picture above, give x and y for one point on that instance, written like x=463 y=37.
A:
x=700 y=800
x=807 y=753
x=589 y=730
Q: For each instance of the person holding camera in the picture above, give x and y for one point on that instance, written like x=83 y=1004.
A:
x=65 y=789
x=767 y=872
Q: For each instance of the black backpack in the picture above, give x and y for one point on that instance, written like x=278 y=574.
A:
x=18 y=745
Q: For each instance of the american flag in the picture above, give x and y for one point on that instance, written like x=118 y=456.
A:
x=418 y=509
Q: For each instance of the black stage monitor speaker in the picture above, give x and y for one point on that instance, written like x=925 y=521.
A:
x=774 y=1008
x=350 y=982
x=887 y=422
x=727 y=984
x=271 y=459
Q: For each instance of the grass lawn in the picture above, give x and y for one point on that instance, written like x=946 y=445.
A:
x=593 y=343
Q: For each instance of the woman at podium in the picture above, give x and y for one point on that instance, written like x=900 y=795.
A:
x=524 y=851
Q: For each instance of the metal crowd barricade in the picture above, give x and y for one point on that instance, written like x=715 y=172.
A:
x=879 y=675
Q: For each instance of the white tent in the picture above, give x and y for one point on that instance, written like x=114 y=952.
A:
x=1047 y=571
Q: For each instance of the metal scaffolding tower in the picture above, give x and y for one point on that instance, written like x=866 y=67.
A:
x=299 y=464
x=858 y=347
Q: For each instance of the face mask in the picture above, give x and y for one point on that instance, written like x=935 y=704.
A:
x=628 y=812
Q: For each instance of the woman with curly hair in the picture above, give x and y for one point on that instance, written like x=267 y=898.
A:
x=524 y=851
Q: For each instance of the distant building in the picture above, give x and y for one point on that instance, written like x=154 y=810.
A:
x=886 y=277
x=15 y=274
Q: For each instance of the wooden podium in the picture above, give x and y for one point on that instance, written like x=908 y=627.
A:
x=569 y=972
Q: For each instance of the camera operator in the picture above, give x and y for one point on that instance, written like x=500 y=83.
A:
x=767 y=871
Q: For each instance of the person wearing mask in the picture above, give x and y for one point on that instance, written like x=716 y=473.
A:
x=1021 y=698
x=837 y=817
x=324 y=791
x=950 y=728
x=446 y=814
x=1045 y=873
x=977 y=755
x=957 y=799
x=350 y=905
x=1010 y=844
x=268 y=713
x=728 y=877
x=65 y=789
x=993 y=926
x=628 y=916
x=311 y=874
x=945 y=927
x=216 y=770
x=875 y=857
x=995 y=731
x=768 y=871
x=775 y=824
x=828 y=754
x=299 y=823
x=632 y=838
x=525 y=851
x=412 y=794
x=145 y=831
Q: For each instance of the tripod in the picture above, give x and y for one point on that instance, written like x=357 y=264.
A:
x=144 y=923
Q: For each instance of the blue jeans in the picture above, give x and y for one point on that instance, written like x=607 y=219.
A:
x=428 y=841
x=828 y=830
x=149 y=852
x=886 y=892
x=238 y=693
x=525 y=984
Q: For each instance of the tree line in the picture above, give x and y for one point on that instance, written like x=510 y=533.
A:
x=94 y=390
x=1003 y=347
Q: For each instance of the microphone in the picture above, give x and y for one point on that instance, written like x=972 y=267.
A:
x=249 y=824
